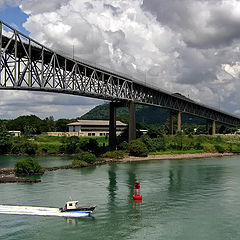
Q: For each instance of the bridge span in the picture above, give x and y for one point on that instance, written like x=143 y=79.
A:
x=26 y=64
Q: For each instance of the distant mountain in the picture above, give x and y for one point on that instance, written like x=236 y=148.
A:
x=144 y=114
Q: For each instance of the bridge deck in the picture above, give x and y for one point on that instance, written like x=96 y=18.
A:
x=28 y=65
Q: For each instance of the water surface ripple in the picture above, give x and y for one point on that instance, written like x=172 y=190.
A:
x=187 y=199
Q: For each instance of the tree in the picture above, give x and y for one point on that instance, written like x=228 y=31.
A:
x=28 y=166
x=20 y=123
x=86 y=157
x=71 y=144
x=29 y=130
x=61 y=125
x=50 y=124
x=138 y=148
x=5 y=140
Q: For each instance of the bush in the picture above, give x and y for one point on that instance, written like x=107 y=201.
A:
x=114 y=154
x=49 y=148
x=138 y=148
x=79 y=163
x=22 y=147
x=219 y=139
x=159 y=143
x=5 y=140
x=86 y=157
x=235 y=148
x=219 y=148
x=123 y=145
x=149 y=143
x=71 y=144
x=27 y=167
x=209 y=148
x=198 y=146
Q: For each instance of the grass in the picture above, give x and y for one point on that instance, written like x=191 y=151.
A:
x=52 y=144
x=182 y=144
x=49 y=139
x=48 y=144
x=115 y=154
x=60 y=139
x=176 y=152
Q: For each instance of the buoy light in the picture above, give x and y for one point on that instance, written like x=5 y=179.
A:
x=137 y=195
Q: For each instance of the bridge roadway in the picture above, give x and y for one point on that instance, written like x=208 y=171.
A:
x=26 y=64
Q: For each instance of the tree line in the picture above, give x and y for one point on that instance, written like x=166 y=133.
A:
x=31 y=124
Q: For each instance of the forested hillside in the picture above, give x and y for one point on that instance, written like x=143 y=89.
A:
x=144 y=114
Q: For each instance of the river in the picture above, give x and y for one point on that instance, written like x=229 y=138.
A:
x=186 y=199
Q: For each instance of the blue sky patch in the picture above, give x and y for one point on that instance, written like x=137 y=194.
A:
x=14 y=17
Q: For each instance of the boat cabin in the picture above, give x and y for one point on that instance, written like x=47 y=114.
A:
x=71 y=205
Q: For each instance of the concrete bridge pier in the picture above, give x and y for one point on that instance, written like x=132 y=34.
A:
x=112 y=122
x=213 y=127
x=112 y=126
x=132 y=121
x=179 y=122
x=207 y=126
x=171 y=123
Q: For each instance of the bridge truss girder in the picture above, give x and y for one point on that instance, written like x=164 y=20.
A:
x=27 y=65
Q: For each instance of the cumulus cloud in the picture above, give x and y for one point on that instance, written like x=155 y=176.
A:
x=9 y=2
x=16 y=103
x=115 y=34
x=36 y=6
x=201 y=23
x=183 y=46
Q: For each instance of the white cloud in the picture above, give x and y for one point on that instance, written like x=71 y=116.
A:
x=233 y=70
x=116 y=34
x=184 y=46
x=16 y=103
x=9 y=2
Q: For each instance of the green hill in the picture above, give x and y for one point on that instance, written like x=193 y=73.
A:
x=144 y=114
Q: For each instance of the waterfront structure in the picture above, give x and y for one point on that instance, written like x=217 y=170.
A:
x=94 y=127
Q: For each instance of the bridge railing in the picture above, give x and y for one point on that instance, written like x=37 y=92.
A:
x=26 y=64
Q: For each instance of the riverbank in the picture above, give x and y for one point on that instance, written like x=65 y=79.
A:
x=5 y=172
x=10 y=171
x=175 y=156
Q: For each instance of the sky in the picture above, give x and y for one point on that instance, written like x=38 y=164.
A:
x=188 y=46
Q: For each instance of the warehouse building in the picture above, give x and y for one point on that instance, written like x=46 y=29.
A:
x=94 y=127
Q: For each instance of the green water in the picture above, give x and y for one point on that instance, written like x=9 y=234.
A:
x=45 y=161
x=188 y=199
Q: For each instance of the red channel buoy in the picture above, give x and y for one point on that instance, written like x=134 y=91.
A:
x=137 y=195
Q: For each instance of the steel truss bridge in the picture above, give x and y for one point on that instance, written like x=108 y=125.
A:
x=26 y=64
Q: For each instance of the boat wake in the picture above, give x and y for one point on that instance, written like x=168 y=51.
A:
x=39 y=211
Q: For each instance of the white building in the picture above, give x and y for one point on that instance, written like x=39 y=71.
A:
x=15 y=133
x=94 y=127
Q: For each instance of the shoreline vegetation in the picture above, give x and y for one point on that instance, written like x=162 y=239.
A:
x=89 y=151
x=7 y=174
x=154 y=145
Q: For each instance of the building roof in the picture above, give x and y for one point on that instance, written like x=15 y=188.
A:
x=95 y=123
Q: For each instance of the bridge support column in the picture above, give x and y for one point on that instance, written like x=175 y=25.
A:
x=171 y=123
x=179 y=122
x=112 y=127
x=132 y=121
x=207 y=127
x=213 y=127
